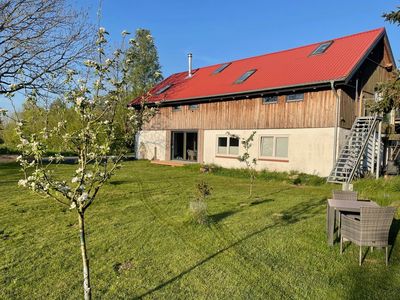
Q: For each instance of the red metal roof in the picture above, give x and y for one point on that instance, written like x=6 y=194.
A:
x=293 y=67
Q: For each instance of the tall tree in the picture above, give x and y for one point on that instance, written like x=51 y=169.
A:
x=389 y=91
x=38 y=40
x=144 y=69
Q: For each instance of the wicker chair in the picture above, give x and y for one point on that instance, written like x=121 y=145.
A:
x=346 y=196
x=370 y=228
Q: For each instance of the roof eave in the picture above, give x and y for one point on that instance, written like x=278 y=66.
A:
x=364 y=57
x=281 y=89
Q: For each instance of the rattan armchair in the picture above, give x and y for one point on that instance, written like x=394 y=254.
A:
x=345 y=196
x=370 y=228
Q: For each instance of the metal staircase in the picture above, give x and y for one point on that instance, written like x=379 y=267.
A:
x=358 y=153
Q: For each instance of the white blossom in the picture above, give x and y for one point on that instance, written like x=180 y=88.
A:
x=124 y=33
x=79 y=101
x=83 y=197
x=23 y=182
x=108 y=62
x=75 y=179
x=73 y=205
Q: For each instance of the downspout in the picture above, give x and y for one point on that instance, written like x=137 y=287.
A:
x=337 y=114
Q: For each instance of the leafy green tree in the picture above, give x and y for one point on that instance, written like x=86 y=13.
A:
x=144 y=70
x=389 y=92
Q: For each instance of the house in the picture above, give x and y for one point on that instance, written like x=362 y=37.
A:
x=301 y=102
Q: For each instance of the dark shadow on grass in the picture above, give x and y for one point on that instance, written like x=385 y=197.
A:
x=260 y=201
x=215 y=218
x=119 y=182
x=302 y=211
x=394 y=231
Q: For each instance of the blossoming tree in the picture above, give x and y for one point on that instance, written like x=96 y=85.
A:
x=94 y=98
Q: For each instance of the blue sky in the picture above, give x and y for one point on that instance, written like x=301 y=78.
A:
x=219 y=31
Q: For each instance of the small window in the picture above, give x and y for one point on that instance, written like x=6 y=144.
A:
x=281 y=147
x=245 y=76
x=221 y=68
x=270 y=99
x=176 y=107
x=295 y=97
x=322 y=48
x=163 y=89
x=271 y=146
x=228 y=145
x=234 y=145
x=222 y=145
x=267 y=146
x=193 y=106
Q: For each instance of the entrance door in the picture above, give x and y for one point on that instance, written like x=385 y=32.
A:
x=184 y=145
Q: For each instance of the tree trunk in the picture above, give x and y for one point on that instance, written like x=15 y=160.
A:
x=85 y=261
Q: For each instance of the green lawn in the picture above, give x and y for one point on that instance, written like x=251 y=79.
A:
x=142 y=243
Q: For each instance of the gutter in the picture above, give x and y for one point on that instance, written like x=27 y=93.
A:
x=245 y=94
x=337 y=116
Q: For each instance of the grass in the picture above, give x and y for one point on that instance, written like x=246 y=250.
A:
x=142 y=243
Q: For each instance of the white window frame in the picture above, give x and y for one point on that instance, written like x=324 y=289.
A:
x=274 y=137
x=227 y=145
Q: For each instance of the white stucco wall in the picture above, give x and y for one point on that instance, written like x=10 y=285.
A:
x=310 y=150
x=151 y=144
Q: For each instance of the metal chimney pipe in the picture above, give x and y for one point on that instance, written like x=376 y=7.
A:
x=190 y=64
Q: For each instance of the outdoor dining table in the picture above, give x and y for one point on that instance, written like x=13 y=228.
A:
x=342 y=206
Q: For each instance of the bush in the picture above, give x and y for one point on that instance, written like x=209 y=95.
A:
x=198 y=207
x=292 y=177
x=4 y=150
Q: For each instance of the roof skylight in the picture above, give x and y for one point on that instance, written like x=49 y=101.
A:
x=221 y=68
x=322 y=48
x=163 y=89
x=245 y=76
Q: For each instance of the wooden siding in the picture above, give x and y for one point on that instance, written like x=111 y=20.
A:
x=315 y=111
x=371 y=72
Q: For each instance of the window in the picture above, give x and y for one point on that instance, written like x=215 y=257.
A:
x=222 y=145
x=322 y=48
x=274 y=146
x=233 y=146
x=163 y=89
x=193 y=106
x=228 y=145
x=244 y=77
x=176 y=107
x=295 y=97
x=221 y=68
x=269 y=99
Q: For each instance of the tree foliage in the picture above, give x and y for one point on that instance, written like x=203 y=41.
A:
x=144 y=70
x=389 y=92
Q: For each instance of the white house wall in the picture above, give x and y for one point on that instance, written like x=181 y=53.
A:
x=309 y=150
x=151 y=144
